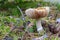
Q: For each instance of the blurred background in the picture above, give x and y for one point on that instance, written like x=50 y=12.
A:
x=13 y=23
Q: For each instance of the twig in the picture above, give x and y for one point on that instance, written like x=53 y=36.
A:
x=23 y=18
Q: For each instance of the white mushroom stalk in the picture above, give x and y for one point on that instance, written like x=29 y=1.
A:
x=39 y=26
x=37 y=13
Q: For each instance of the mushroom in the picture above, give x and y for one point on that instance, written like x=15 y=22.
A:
x=38 y=13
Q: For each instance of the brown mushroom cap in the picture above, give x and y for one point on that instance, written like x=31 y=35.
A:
x=37 y=13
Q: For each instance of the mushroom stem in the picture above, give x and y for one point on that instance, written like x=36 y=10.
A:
x=39 y=26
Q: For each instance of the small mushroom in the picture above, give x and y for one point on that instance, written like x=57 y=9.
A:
x=38 y=13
